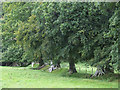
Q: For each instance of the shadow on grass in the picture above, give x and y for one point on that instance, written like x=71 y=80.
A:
x=107 y=77
x=42 y=68
x=64 y=73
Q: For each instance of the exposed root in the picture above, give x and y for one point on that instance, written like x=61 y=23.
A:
x=98 y=72
x=40 y=67
x=52 y=67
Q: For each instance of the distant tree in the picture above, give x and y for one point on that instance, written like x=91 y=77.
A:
x=31 y=35
x=53 y=35
x=12 y=16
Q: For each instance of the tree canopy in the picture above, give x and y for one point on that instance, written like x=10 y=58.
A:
x=62 y=32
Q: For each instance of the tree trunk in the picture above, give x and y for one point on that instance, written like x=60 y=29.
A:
x=109 y=69
x=14 y=64
x=72 y=68
x=58 y=64
x=41 y=61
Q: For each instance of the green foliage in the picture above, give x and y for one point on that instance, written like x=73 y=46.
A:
x=69 y=32
x=13 y=15
x=109 y=41
x=13 y=54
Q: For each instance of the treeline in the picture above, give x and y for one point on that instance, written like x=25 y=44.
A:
x=61 y=32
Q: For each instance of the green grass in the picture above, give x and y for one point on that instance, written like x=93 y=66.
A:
x=21 y=77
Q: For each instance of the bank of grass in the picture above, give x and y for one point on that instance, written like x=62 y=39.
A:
x=22 y=77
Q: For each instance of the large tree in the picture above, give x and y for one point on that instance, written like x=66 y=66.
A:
x=106 y=40
x=69 y=32
x=32 y=32
x=73 y=24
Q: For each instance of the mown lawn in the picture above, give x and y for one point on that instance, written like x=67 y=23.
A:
x=21 y=77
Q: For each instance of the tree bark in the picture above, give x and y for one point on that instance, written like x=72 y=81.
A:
x=72 y=68
x=14 y=64
x=41 y=61
x=109 y=69
x=58 y=64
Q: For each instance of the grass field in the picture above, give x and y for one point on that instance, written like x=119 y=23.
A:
x=21 y=77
